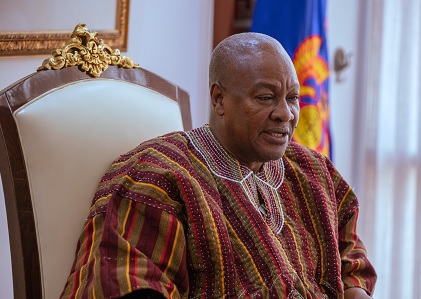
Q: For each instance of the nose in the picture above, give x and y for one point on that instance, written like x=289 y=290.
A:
x=282 y=111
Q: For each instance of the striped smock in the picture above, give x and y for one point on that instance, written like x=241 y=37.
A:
x=174 y=215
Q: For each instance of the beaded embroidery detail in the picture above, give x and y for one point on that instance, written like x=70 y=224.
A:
x=266 y=182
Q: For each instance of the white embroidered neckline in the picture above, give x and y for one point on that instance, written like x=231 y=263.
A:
x=265 y=182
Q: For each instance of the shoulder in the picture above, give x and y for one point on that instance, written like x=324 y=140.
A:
x=153 y=161
x=309 y=161
x=305 y=162
x=156 y=152
x=178 y=139
x=171 y=141
x=302 y=154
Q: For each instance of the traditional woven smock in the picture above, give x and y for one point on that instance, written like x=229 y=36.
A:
x=179 y=215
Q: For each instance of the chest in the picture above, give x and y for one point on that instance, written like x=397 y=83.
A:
x=229 y=237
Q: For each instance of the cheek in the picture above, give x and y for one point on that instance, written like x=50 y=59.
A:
x=296 y=112
x=243 y=113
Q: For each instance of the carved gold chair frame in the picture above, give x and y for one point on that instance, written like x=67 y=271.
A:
x=88 y=52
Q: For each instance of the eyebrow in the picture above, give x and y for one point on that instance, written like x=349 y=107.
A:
x=265 y=84
x=274 y=87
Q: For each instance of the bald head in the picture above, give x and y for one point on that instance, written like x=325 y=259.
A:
x=232 y=53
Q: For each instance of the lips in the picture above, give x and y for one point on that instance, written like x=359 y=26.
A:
x=274 y=134
x=278 y=136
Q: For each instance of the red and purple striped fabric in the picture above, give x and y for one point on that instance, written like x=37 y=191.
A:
x=162 y=220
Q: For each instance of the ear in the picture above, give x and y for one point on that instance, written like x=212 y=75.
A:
x=217 y=98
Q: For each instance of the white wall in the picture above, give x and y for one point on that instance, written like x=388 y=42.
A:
x=170 y=38
x=174 y=40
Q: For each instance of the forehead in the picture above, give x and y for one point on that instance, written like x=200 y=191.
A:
x=263 y=63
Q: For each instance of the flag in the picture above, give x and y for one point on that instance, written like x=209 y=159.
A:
x=299 y=25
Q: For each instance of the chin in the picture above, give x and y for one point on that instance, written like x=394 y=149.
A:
x=278 y=153
x=273 y=156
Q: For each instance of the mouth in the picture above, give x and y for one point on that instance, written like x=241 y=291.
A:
x=277 y=136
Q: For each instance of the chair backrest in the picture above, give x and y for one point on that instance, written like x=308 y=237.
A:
x=59 y=132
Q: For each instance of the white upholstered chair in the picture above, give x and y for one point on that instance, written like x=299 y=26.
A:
x=60 y=130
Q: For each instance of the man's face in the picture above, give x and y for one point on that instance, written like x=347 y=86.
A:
x=259 y=107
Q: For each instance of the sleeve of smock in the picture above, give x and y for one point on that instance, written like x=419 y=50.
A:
x=133 y=239
x=357 y=271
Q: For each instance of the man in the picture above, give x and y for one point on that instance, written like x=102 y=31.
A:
x=230 y=210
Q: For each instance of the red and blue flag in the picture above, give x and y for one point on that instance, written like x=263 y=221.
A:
x=300 y=26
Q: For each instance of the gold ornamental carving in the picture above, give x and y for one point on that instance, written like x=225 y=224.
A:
x=87 y=52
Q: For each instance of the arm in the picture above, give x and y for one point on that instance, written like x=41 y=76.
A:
x=356 y=270
x=145 y=294
x=130 y=247
x=355 y=293
x=133 y=240
x=358 y=275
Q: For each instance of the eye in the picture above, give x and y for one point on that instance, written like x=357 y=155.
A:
x=265 y=98
x=293 y=98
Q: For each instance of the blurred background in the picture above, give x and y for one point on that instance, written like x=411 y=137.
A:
x=367 y=78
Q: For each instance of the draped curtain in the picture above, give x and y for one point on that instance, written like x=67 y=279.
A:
x=388 y=145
